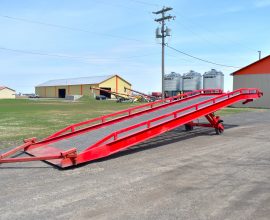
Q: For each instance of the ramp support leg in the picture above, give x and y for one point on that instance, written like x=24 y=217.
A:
x=214 y=122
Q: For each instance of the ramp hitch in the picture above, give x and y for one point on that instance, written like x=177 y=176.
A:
x=69 y=154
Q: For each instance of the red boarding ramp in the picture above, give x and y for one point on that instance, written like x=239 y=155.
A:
x=106 y=135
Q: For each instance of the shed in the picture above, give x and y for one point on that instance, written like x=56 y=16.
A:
x=7 y=93
x=255 y=75
x=81 y=86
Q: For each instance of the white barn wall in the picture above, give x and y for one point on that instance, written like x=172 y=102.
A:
x=261 y=81
x=7 y=93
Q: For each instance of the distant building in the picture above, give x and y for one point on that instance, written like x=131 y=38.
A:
x=255 y=75
x=7 y=93
x=81 y=86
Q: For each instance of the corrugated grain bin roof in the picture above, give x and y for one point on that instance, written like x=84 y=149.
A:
x=77 y=81
x=191 y=73
x=213 y=72
x=259 y=67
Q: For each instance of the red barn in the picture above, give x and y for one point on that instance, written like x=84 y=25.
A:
x=255 y=75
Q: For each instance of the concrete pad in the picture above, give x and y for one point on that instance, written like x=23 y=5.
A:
x=179 y=175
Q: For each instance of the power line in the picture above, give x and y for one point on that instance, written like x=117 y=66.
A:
x=41 y=53
x=93 y=59
x=87 y=31
x=69 y=28
x=203 y=60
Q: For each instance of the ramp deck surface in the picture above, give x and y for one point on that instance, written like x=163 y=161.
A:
x=83 y=141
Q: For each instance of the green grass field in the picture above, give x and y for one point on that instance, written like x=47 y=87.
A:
x=23 y=118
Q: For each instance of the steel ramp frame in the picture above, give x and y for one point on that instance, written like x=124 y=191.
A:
x=125 y=138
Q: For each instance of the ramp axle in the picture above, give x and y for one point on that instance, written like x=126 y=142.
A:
x=214 y=122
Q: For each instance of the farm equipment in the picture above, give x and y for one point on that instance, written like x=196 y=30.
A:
x=100 y=137
x=145 y=97
x=121 y=97
x=157 y=94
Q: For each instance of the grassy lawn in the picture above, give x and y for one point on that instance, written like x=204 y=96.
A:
x=23 y=118
x=229 y=111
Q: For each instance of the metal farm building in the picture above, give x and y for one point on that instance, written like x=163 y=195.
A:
x=81 y=86
x=7 y=93
x=255 y=75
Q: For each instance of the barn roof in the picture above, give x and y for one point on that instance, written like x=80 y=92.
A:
x=77 y=81
x=261 y=66
x=5 y=87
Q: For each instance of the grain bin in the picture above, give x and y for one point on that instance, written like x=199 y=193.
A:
x=192 y=81
x=173 y=83
x=213 y=79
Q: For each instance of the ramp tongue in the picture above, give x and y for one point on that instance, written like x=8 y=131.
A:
x=45 y=151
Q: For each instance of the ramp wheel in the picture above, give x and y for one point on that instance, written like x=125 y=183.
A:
x=188 y=127
x=220 y=129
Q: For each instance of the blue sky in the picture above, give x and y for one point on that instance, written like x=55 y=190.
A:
x=118 y=37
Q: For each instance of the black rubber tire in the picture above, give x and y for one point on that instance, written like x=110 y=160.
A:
x=219 y=131
x=188 y=127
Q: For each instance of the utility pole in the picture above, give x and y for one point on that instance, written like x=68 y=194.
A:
x=260 y=54
x=163 y=33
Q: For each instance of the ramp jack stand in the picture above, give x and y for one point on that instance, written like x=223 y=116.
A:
x=214 y=122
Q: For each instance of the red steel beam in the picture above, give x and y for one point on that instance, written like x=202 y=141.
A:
x=69 y=154
x=27 y=143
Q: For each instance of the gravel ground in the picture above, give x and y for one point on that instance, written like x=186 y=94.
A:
x=179 y=175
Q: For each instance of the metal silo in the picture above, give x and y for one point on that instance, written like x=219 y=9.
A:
x=192 y=81
x=213 y=79
x=173 y=84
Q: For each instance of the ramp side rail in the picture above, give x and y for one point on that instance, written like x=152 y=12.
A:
x=177 y=114
x=128 y=112
x=149 y=129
